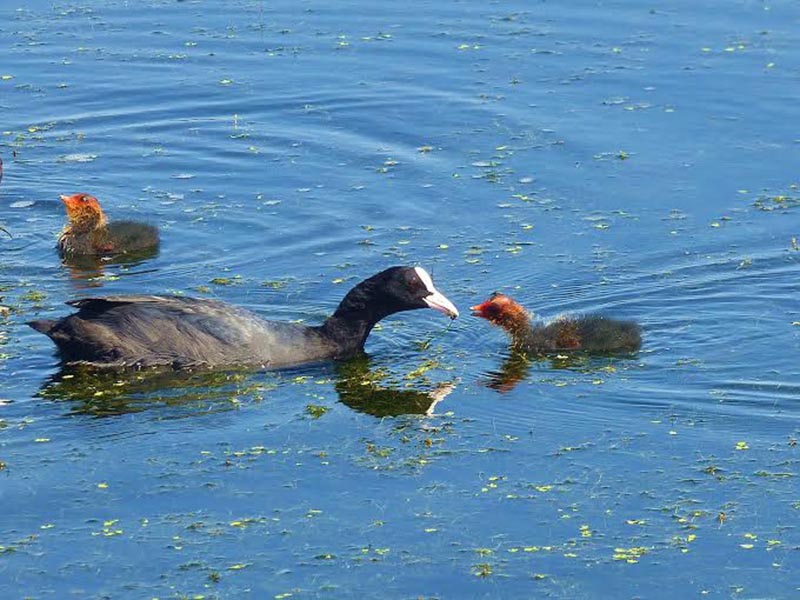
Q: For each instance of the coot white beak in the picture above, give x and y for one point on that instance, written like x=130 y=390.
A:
x=435 y=299
x=438 y=301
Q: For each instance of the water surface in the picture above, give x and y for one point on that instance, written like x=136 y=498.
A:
x=635 y=160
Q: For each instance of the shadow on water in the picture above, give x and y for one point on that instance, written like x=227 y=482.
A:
x=88 y=271
x=104 y=393
x=517 y=365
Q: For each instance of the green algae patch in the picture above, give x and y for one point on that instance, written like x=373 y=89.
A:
x=778 y=202
x=236 y=280
x=315 y=411
x=630 y=555
x=33 y=296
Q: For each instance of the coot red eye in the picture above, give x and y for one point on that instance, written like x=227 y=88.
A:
x=412 y=282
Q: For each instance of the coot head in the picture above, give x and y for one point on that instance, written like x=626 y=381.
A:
x=83 y=211
x=414 y=287
x=397 y=289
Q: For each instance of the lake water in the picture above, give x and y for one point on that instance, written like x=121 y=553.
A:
x=634 y=159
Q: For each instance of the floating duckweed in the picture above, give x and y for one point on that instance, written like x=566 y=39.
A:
x=630 y=555
x=108 y=529
x=33 y=296
x=315 y=410
x=242 y=523
x=275 y=284
x=226 y=280
x=776 y=202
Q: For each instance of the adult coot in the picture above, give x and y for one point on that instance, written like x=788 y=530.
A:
x=587 y=333
x=88 y=232
x=143 y=331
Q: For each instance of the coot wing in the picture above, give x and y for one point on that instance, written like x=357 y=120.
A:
x=104 y=303
x=178 y=331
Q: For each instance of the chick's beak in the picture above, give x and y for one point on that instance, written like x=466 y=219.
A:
x=438 y=301
x=69 y=201
x=479 y=310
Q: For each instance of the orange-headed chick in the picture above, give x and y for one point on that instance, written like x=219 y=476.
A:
x=587 y=333
x=89 y=232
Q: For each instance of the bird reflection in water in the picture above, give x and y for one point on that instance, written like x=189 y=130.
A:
x=513 y=369
x=108 y=392
x=517 y=365
x=369 y=391
x=86 y=271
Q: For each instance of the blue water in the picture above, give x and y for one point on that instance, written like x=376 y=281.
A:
x=639 y=160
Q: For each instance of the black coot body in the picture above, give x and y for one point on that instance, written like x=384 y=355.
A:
x=178 y=332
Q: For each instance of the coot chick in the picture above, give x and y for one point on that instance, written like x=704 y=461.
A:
x=588 y=333
x=88 y=232
x=143 y=331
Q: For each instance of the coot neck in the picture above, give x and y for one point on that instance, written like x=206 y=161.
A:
x=356 y=315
